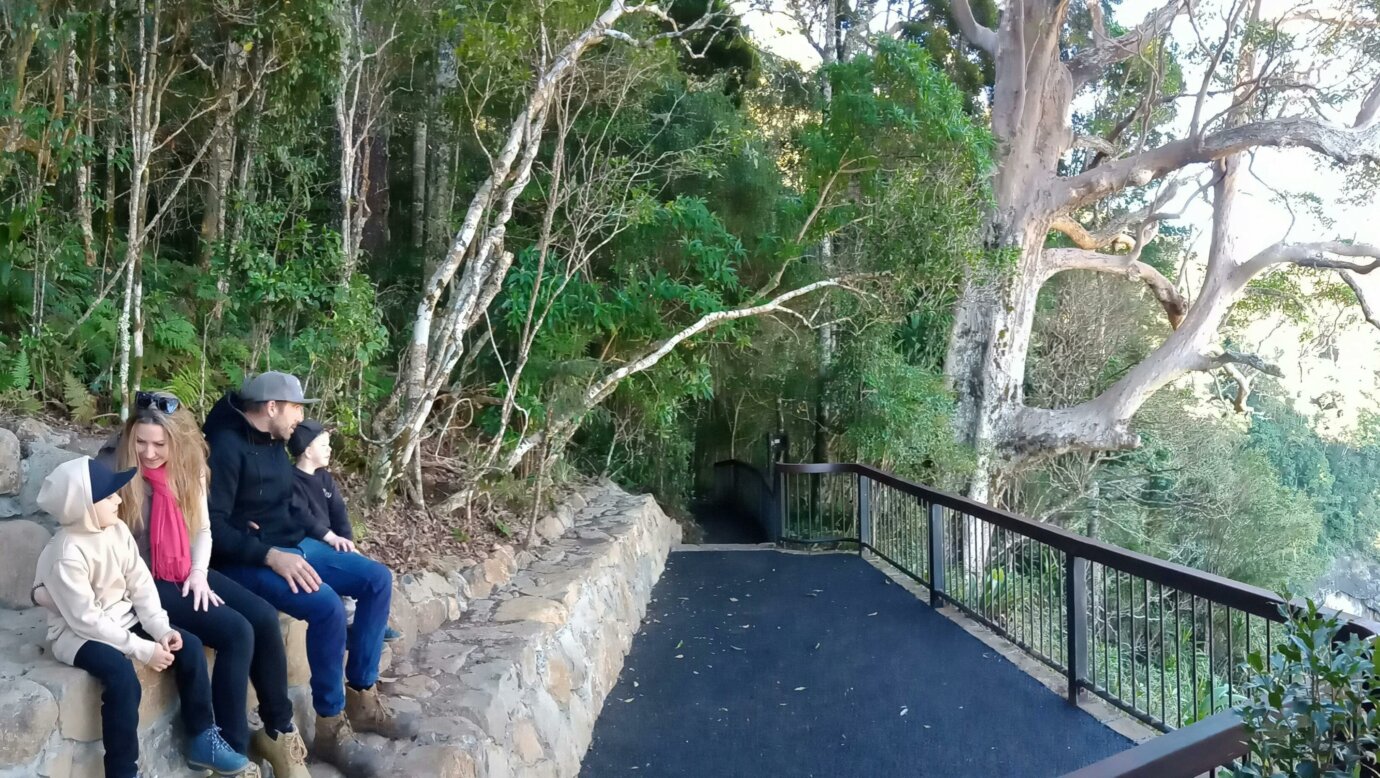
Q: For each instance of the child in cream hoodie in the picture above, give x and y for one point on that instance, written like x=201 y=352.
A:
x=105 y=613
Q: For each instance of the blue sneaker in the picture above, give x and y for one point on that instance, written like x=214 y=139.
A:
x=390 y=635
x=209 y=751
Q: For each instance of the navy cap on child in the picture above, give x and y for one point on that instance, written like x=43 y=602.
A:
x=104 y=481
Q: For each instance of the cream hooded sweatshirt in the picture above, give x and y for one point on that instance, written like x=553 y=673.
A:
x=96 y=577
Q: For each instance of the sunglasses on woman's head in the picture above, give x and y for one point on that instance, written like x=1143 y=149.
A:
x=161 y=402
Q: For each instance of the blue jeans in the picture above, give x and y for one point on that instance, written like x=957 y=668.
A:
x=328 y=638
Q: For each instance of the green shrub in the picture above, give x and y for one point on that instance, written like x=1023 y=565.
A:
x=1309 y=709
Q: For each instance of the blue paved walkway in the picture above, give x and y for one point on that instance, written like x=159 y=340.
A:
x=768 y=665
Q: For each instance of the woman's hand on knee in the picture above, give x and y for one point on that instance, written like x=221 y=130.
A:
x=203 y=598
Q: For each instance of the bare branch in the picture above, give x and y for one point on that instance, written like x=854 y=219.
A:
x=1322 y=256
x=1370 y=107
x=1174 y=305
x=601 y=389
x=1229 y=357
x=984 y=38
x=1118 y=229
x=1105 y=52
x=1366 y=309
x=1100 y=145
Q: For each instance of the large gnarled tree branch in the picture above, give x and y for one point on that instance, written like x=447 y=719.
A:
x=1343 y=144
x=1104 y=422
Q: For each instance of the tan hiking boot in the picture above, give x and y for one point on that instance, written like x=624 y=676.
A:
x=337 y=745
x=286 y=753
x=368 y=713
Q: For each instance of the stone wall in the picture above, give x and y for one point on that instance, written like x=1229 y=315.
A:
x=514 y=686
x=507 y=658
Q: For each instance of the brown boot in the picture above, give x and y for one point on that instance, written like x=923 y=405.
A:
x=337 y=745
x=368 y=713
x=286 y=753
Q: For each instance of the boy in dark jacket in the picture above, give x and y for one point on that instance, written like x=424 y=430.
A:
x=317 y=504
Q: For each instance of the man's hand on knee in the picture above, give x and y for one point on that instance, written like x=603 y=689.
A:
x=299 y=574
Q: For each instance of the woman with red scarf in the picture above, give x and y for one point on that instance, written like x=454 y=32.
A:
x=165 y=508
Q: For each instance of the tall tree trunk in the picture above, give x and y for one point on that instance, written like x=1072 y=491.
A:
x=143 y=123
x=827 y=337
x=419 y=153
x=988 y=345
x=221 y=159
x=112 y=127
x=242 y=194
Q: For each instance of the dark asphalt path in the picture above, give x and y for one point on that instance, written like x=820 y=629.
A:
x=773 y=665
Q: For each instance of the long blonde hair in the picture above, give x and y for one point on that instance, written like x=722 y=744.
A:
x=188 y=472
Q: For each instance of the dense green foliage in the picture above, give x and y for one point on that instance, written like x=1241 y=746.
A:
x=669 y=183
x=1310 y=702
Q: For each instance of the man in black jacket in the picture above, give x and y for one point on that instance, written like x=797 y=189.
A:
x=256 y=542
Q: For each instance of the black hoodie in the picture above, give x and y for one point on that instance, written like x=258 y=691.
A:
x=251 y=482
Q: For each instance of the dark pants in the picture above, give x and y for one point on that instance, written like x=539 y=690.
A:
x=121 y=693
x=328 y=638
x=249 y=647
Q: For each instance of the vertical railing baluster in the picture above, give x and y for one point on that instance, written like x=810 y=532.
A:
x=864 y=492
x=1178 y=663
x=935 y=521
x=1149 y=703
x=1231 y=658
x=1193 y=648
x=1076 y=610
x=1212 y=663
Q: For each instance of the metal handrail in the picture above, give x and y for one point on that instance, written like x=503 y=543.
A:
x=1071 y=605
x=1223 y=591
x=1197 y=749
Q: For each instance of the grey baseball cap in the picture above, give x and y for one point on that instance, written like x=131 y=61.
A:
x=273 y=385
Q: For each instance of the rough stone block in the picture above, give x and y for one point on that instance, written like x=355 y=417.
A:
x=10 y=456
x=295 y=643
x=20 y=544
x=526 y=742
x=58 y=761
x=78 y=696
x=160 y=692
x=550 y=528
x=31 y=432
x=448 y=657
x=497 y=570
x=441 y=761
x=480 y=586
x=532 y=609
x=431 y=614
x=29 y=712
x=38 y=464
x=558 y=681
x=414 y=686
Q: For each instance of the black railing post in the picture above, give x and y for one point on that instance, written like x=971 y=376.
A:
x=780 y=518
x=936 y=534
x=1076 y=607
x=864 y=513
